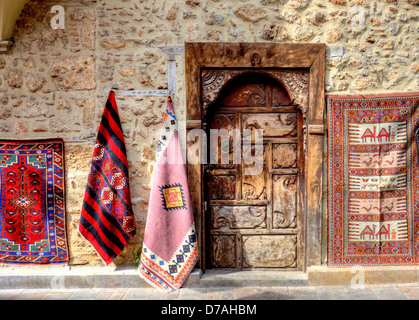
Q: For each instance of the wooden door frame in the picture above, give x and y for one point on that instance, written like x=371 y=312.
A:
x=259 y=56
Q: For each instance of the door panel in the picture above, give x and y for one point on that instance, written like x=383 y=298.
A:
x=221 y=187
x=238 y=217
x=272 y=124
x=254 y=184
x=284 y=155
x=269 y=251
x=223 y=251
x=284 y=201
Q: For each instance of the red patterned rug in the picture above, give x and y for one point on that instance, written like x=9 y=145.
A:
x=373 y=180
x=32 y=203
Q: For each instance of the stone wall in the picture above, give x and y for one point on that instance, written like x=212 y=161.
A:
x=54 y=82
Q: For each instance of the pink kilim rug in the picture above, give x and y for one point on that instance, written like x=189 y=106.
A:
x=170 y=246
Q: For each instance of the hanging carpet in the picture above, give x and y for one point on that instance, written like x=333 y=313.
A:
x=373 y=180
x=32 y=203
x=107 y=220
x=170 y=247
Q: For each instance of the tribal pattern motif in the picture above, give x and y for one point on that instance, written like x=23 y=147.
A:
x=173 y=197
x=171 y=274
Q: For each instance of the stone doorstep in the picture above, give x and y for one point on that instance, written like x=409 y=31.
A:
x=74 y=277
x=252 y=278
x=127 y=277
x=328 y=276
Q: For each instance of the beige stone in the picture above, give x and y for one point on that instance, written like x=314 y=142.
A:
x=20 y=128
x=34 y=82
x=358 y=275
x=299 y=4
x=88 y=36
x=274 y=32
x=249 y=12
x=113 y=44
x=172 y=13
x=74 y=73
x=303 y=33
x=14 y=78
x=339 y=2
x=289 y=16
x=334 y=35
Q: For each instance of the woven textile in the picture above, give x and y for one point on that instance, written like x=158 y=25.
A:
x=373 y=180
x=107 y=220
x=32 y=203
x=170 y=248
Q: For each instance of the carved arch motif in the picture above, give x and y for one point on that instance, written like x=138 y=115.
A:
x=294 y=82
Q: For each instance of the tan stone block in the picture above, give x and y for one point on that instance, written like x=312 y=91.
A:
x=339 y=2
x=14 y=78
x=249 y=12
x=299 y=4
x=113 y=44
x=334 y=35
x=74 y=73
x=88 y=36
x=20 y=128
x=34 y=82
x=172 y=13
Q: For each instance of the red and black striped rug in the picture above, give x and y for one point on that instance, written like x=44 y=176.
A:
x=107 y=220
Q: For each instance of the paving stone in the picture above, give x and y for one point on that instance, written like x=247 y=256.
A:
x=9 y=294
x=32 y=294
x=227 y=294
x=213 y=293
x=192 y=293
x=57 y=295
x=367 y=292
x=246 y=293
x=302 y=293
x=137 y=294
x=84 y=295
x=412 y=293
x=332 y=294
x=158 y=294
x=364 y=293
x=272 y=293
x=388 y=292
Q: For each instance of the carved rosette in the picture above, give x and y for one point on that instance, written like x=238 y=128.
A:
x=297 y=85
x=212 y=82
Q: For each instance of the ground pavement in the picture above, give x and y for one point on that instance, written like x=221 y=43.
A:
x=403 y=291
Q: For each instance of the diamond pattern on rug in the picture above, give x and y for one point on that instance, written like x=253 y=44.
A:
x=32 y=197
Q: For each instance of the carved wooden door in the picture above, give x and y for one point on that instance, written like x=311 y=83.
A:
x=253 y=202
